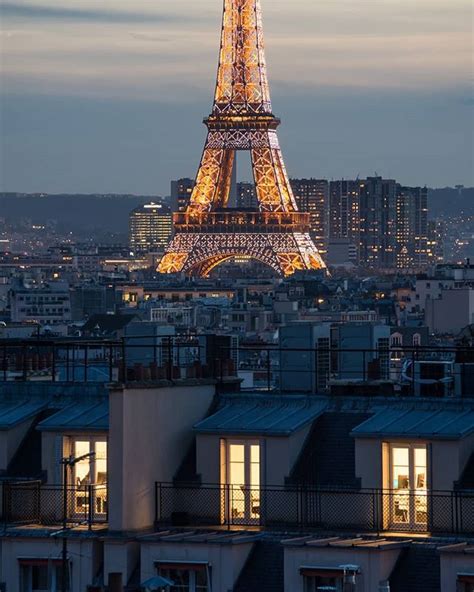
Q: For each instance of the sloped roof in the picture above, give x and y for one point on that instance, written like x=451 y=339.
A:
x=91 y=416
x=105 y=323
x=13 y=413
x=262 y=414
x=448 y=424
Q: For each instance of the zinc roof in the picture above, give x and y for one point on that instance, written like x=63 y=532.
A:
x=14 y=412
x=262 y=414
x=79 y=416
x=449 y=424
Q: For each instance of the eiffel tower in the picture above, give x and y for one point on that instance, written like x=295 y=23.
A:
x=210 y=232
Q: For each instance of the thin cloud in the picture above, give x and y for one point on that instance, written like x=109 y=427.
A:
x=42 y=12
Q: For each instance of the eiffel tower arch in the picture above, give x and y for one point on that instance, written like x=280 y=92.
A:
x=210 y=232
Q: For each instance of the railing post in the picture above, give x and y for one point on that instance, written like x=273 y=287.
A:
x=91 y=509
x=53 y=364
x=23 y=354
x=86 y=361
x=170 y=359
x=110 y=363
x=269 y=377
x=5 y=363
x=124 y=361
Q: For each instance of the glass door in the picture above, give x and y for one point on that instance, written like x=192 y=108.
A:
x=408 y=482
x=243 y=481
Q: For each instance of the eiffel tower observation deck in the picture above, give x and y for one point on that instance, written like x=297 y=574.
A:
x=210 y=232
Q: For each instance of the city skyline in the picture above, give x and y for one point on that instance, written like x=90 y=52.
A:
x=73 y=122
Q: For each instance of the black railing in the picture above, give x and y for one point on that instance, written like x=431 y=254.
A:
x=416 y=371
x=33 y=502
x=307 y=507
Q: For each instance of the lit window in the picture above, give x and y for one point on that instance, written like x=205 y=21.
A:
x=90 y=471
x=243 y=481
x=409 y=485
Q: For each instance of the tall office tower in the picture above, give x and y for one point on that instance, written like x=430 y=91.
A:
x=411 y=227
x=312 y=196
x=246 y=196
x=181 y=191
x=151 y=227
x=344 y=211
x=435 y=243
x=377 y=222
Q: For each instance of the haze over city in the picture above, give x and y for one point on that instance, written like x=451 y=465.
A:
x=108 y=97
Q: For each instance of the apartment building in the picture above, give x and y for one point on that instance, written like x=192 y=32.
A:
x=194 y=484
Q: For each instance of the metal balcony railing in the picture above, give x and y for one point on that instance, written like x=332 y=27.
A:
x=306 y=507
x=32 y=502
x=410 y=371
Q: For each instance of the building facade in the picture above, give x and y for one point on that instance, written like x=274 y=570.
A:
x=312 y=196
x=411 y=227
x=151 y=227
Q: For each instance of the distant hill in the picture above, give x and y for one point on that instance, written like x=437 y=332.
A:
x=72 y=212
x=450 y=201
x=110 y=212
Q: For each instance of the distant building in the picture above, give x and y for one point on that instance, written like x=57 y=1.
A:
x=91 y=299
x=246 y=196
x=436 y=231
x=344 y=220
x=47 y=305
x=151 y=227
x=411 y=227
x=181 y=191
x=378 y=222
x=312 y=196
x=451 y=312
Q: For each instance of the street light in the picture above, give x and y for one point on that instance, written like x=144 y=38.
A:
x=68 y=461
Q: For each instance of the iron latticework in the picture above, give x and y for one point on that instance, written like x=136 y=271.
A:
x=241 y=119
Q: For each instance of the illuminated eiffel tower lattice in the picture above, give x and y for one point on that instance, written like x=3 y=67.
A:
x=210 y=232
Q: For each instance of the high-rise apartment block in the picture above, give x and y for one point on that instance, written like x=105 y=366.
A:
x=181 y=191
x=151 y=227
x=344 y=215
x=312 y=196
x=377 y=222
x=246 y=196
x=411 y=227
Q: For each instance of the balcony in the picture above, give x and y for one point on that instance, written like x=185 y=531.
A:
x=405 y=371
x=34 y=503
x=304 y=508
x=229 y=220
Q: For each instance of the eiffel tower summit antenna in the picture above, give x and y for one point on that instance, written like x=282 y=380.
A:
x=210 y=232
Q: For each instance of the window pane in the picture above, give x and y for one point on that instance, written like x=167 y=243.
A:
x=420 y=457
x=82 y=468
x=255 y=453
x=101 y=463
x=237 y=453
x=39 y=577
x=400 y=456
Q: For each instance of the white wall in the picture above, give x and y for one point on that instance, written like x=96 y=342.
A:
x=150 y=430
x=83 y=554
x=225 y=560
x=278 y=455
x=375 y=565
x=453 y=564
x=448 y=459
